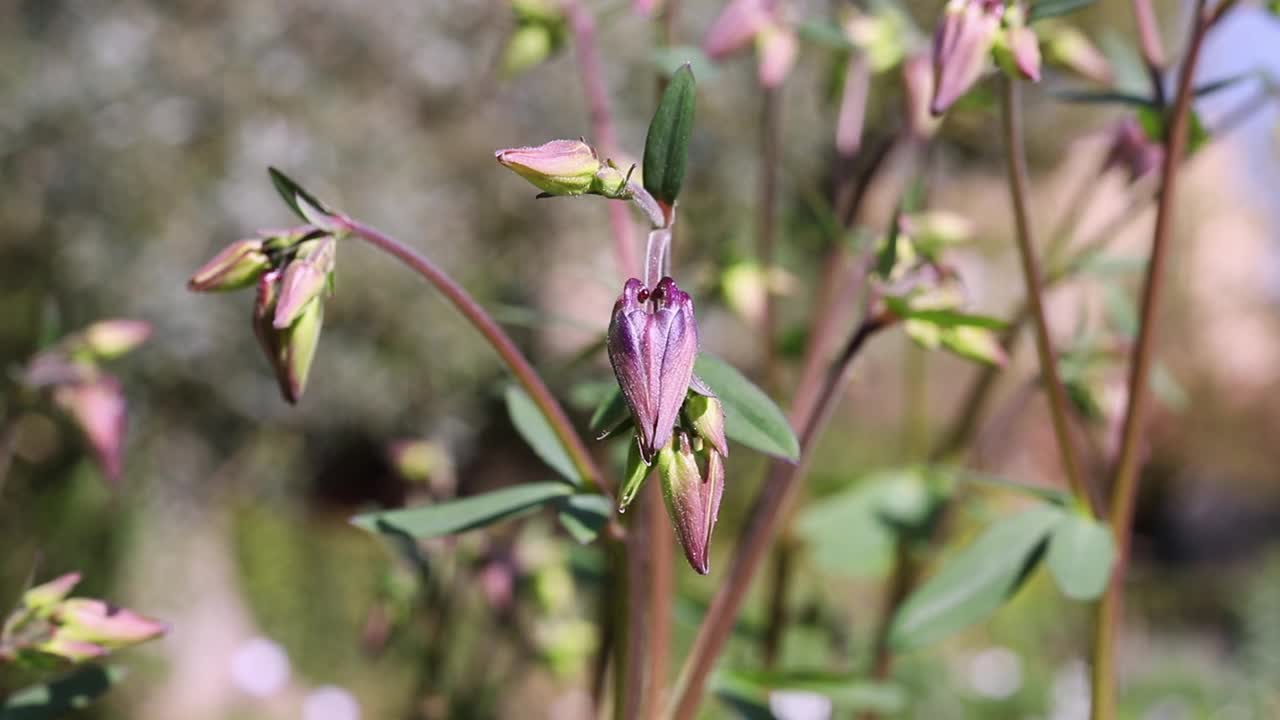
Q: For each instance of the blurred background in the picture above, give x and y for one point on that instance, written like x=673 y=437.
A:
x=134 y=141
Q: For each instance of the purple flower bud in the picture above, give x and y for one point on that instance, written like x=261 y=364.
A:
x=304 y=279
x=112 y=338
x=736 y=27
x=961 y=46
x=1132 y=150
x=653 y=342
x=692 y=497
x=98 y=407
x=97 y=622
x=559 y=167
x=42 y=597
x=235 y=267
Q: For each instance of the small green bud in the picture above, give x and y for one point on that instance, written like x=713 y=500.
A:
x=112 y=338
x=237 y=266
x=559 y=167
x=706 y=414
x=298 y=347
x=636 y=473
x=43 y=598
x=611 y=183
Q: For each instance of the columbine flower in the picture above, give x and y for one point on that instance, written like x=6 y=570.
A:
x=692 y=485
x=961 y=46
x=653 y=342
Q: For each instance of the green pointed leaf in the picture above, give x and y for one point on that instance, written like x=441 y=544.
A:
x=584 y=516
x=666 y=147
x=469 y=513
x=976 y=581
x=1081 y=555
x=57 y=698
x=1047 y=494
x=534 y=428
x=750 y=417
x=1154 y=125
x=633 y=478
x=610 y=415
x=1042 y=9
x=303 y=203
x=1105 y=97
x=750 y=692
x=901 y=306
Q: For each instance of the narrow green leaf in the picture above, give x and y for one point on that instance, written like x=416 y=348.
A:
x=634 y=476
x=469 y=513
x=1121 y=312
x=610 y=415
x=976 y=581
x=584 y=516
x=1214 y=86
x=1052 y=495
x=666 y=147
x=847 y=692
x=55 y=699
x=826 y=34
x=942 y=317
x=1081 y=555
x=302 y=202
x=750 y=417
x=534 y=428
x=1104 y=97
x=1042 y=9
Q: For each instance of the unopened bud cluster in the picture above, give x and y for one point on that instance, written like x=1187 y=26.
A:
x=75 y=629
x=679 y=425
x=292 y=271
x=972 y=32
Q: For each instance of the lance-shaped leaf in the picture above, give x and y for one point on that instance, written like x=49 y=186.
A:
x=304 y=203
x=666 y=147
x=769 y=694
x=534 y=428
x=750 y=417
x=1081 y=555
x=469 y=513
x=585 y=515
x=976 y=581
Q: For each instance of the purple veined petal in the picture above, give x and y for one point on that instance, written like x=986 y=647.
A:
x=679 y=351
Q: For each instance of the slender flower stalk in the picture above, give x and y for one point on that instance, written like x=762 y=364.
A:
x=1018 y=187
x=505 y=347
x=1125 y=491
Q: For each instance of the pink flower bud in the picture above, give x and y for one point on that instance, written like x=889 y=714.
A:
x=290 y=350
x=1070 y=48
x=736 y=27
x=113 y=338
x=98 y=407
x=1024 y=46
x=653 y=342
x=236 y=266
x=304 y=279
x=97 y=622
x=43 y=597
x=692 y=497
x=961 y=46
x=559 y=167
x=778 y=45
x=69 y=648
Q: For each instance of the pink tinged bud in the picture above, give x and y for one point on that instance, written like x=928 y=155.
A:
x=44 y=597
x=706 y=415
x=1068 y=47
x=97 y=622
x=692 y=497
x=290 y=350
x=778 y=46
x=1018 y=52
x=71 y=649
x=98 y=407
x=960 y=48
x=736 y=27
x=653 y=342
x=917 y=78
x=237 y=266
x=559 y=167
x=113 y=338
x=305 y=279
x=853 y=106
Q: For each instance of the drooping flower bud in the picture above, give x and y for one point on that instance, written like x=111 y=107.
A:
x=961 y=45
x=99 y=409
x=1070 y=48
x=1132 y=151
x=112 y=338
x=633 y=479
x=559 y=167
x=706 y=415
x=1017 y=48
x=71 y=649
x=44 y=597
x=290 y=350
x=777 y=46
x=653 y=342
x=97 y=622
x=736 y=27
x=917 y=79
x=236 y=266
x=304 y=279
x=692 y=496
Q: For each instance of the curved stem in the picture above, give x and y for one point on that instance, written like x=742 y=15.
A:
x=505 y=347
x=1125 y=490
x=1018 y=188
x=770 y=507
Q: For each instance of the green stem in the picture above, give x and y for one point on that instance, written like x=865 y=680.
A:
x=501 y=342
x=1125 y=491
x=1018 y=188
